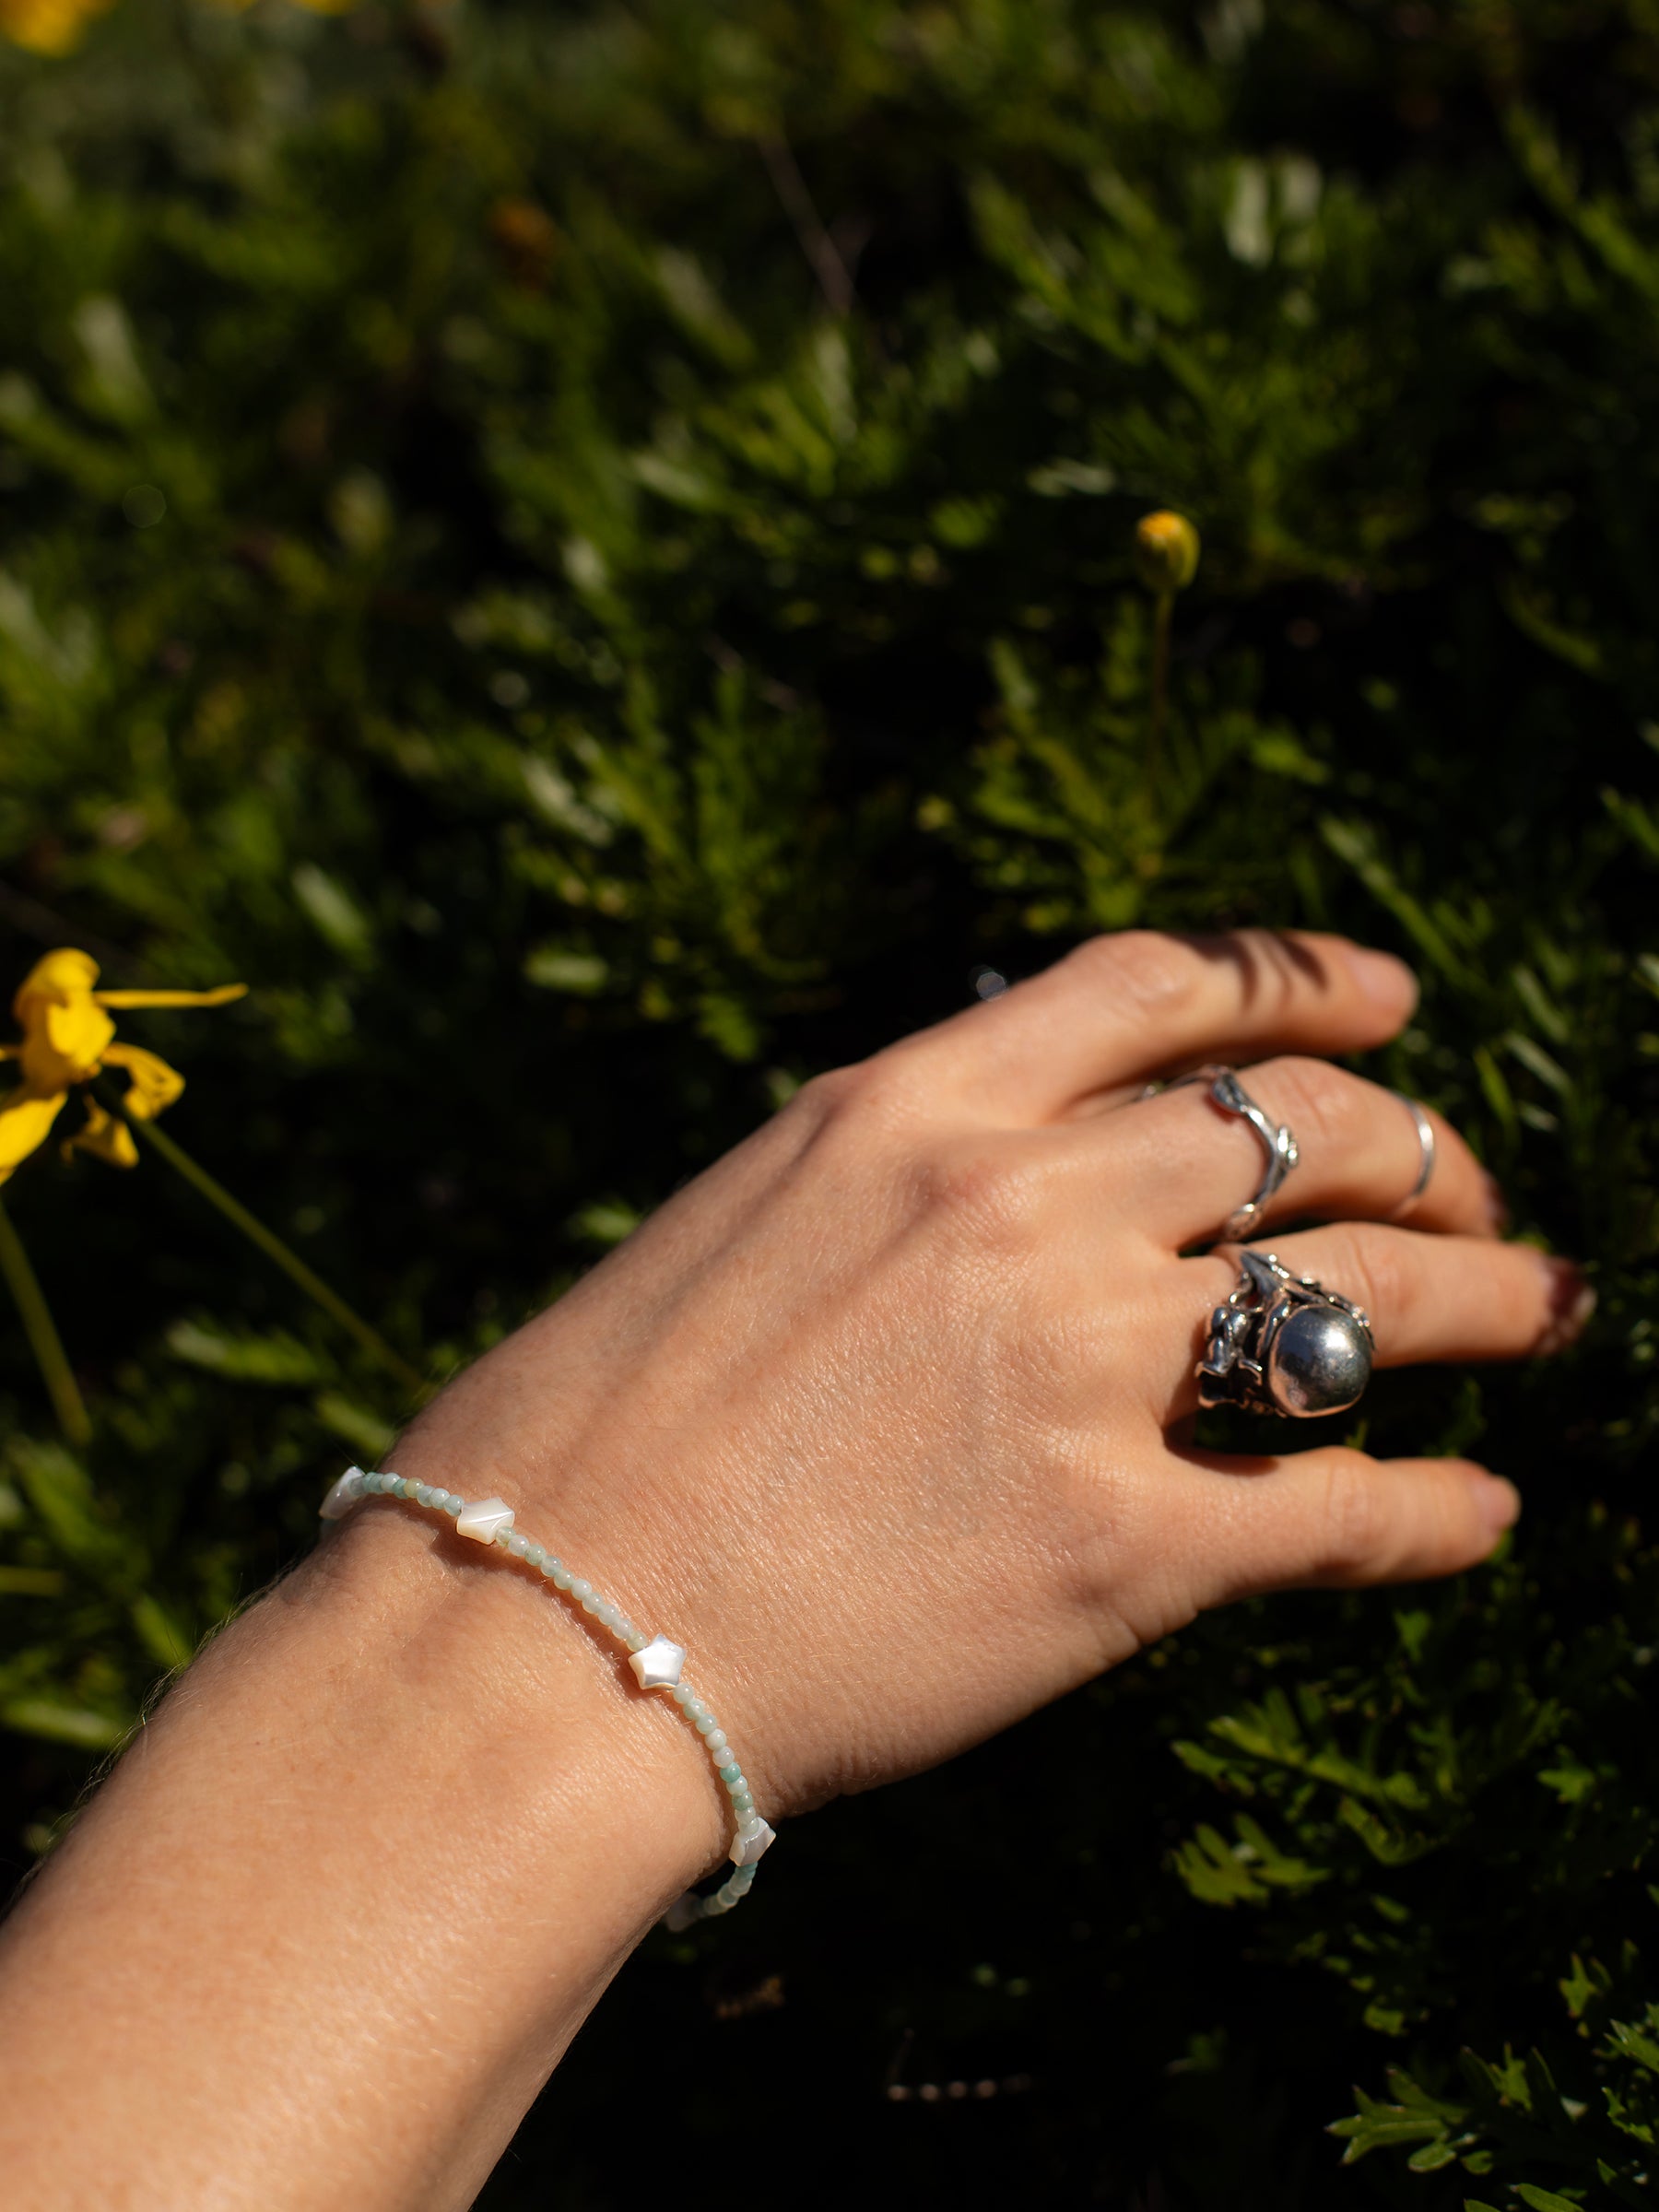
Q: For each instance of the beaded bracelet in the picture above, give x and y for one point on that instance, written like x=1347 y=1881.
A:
x=657 y=1662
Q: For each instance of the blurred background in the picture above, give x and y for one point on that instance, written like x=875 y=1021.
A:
x=587 y=554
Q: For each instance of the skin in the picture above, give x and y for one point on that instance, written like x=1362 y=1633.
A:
x=887 y=1417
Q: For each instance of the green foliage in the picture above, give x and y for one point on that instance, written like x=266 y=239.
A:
x=588 y=555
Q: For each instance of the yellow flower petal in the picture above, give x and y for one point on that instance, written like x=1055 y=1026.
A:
x=154 y=1087
x=222 y=996
x=25 y=1119
x=67 y=1036
x=64 y=1033
x=105 y=1138
x=57 y=977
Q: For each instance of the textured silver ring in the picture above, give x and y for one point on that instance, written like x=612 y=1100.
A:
x=1284 y=1344
x=1277 y=1142
x=1425 y=1132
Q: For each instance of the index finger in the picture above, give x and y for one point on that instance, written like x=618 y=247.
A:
x=1121 y=1009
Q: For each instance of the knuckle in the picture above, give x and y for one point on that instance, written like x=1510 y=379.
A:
x=876 y=1094
x=1322 y=1103
x=985 y=1192
x=1143 y=968
x=1356 y=1519
x=822 y=1096
x=1372 y=1266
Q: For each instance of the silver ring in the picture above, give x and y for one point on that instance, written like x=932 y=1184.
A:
x=1425 y=1131
x=1284 y=1344
x=1277 y=1142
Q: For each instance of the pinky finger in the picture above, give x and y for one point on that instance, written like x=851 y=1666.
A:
x=1336 y=1519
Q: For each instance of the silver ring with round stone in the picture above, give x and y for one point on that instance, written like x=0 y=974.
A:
x=1284 y=1344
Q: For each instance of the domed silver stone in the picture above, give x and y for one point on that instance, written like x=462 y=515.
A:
x=1319 y=1361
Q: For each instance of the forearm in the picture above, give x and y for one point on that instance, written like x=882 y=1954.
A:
x=329 y=1925
x=884 y=1418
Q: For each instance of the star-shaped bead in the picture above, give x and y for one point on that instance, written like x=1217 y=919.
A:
x=658 y=1665
x=343 y=1497
x=745 y=1850
x=482 y=1518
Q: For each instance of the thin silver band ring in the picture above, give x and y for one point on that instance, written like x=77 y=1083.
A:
x=1425 y=1131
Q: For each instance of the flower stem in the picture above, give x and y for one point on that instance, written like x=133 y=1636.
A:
x=292 y=1265
x=1163 y=609
x=41 y=1332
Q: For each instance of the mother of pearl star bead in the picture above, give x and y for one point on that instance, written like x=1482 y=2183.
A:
x=658 y=1665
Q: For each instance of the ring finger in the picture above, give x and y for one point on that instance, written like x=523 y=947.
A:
x=1189 y=1163
x=1427 y=1297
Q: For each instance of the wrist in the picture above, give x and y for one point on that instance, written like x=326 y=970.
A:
x=541 y=1700
x=425 y=1820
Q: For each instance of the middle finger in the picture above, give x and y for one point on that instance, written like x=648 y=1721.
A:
x=1185 y=1164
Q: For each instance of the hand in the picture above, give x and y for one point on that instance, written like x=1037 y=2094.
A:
x=886 y=1416
x=885 y=1419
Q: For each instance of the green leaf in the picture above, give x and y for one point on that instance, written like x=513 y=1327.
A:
x=244 y=1356
x=364 y=1430
x=559 y=968
x=163 y=1635
x=330 y=907
x=62 y=1722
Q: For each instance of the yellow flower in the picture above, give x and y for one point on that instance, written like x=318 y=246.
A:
x=67 y=1039
x=47 y=26
x=1166 y=551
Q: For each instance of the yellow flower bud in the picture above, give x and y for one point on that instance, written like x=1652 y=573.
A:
x=1166 y=552
x=49 y=27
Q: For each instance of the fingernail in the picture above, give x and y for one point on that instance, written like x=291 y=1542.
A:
x=1572 y=1302
x=1389 y=982
x=1498 y=1501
